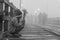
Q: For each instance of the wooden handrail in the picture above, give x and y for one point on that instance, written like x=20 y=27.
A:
x=10 y=4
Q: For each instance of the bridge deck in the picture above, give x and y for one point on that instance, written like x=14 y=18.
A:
x=51 y=28
x=36 y=33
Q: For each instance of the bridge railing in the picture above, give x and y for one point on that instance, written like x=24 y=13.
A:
x=7 y=11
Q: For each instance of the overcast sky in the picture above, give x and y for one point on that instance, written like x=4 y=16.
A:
x=51 y=7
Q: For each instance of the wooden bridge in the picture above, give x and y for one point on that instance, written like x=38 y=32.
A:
x=43 y=29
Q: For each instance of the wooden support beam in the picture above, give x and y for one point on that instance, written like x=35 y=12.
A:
x=11 y=12
x=6 y=9
x=6 y=17
x=5 y=25
x=1 y=8
x=1 y=14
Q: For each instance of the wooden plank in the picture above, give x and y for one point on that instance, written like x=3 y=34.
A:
x=50 y=29
x=13 y=39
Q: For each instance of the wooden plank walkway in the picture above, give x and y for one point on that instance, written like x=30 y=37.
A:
x=38 y=33
x=50 y=28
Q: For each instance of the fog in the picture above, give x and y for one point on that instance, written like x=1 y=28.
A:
x=51 y=7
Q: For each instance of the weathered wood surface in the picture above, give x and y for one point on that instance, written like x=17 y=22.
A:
x=52 y=28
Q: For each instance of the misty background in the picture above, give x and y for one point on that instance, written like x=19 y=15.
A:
x=51 y=7
x=40 y=11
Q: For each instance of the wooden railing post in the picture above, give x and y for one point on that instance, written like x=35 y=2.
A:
x=1 y=14
x=11 y=11
x=6 y=17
